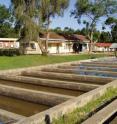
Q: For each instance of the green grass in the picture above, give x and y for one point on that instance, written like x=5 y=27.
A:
x=36 y=60
x=80 y=114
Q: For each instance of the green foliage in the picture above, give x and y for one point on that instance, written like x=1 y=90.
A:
x=9 y=52
x=105 y=37
x=48 y=9
x=80 y=114
x=24 y=11
x=93 y=10
x=32 y=15
x=113 y=23
x=6 y=29
x=51 y=8
x=114 y=34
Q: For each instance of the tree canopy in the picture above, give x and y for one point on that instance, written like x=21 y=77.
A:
x=6 y=23
x=94 y=10
x=113 y=23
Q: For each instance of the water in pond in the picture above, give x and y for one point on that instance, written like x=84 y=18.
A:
x=42 y=88
x=20 y=106
x=97 y=68
x=95 y=74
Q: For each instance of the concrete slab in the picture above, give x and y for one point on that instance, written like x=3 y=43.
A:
x=9 y=117
x=44 y=98
x=69 y=77
x=51 y=83
x=79 y=71
x=101 y=116
x=67 y=106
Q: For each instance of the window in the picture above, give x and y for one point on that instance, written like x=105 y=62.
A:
x=32 y=45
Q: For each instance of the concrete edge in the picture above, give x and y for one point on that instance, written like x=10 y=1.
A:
x=49 y=99
x=6 y=116
x=68 y=106
x=51 y=83
x=103 y=115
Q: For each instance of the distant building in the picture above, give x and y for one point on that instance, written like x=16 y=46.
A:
x=113 y=46
x=102 y=47
x=57 y=44
x=8 y=43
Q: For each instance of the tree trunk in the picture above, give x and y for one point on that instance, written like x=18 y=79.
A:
x=116 y=52
x=41 y=46
x=91 y=42
x=22 y=48
x=47 y=36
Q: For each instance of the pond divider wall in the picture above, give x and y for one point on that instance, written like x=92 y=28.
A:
x=69 y=77
x=68 y=106
x=40 y=97
x=50 y=83
x=6 y=116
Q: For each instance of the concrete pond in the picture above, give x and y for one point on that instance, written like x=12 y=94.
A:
x=28 y=95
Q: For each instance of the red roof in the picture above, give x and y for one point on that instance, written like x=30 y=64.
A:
x=81 y=38
x=53 y=35
x=103 y=44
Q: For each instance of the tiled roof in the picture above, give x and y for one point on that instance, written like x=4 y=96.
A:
x=67 y=37
x=53 y=35
x=103 y=44
x=81 y=38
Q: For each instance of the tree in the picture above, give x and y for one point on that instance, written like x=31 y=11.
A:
x=48 y=9
x=6 y=22
x=105 y=37
x=33 y=15
x=113 y=23
x=68 y=31
x=94 y=10
x=57 y=30
x=24 y=11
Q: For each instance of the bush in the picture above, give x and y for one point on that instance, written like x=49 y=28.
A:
x=9 y=52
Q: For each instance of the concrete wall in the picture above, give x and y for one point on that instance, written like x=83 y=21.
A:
x=9 y=117
x=68 y=106
x=44 y=98
x=65 y=107
x=51 y=83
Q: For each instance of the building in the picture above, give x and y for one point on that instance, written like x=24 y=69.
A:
x=57 y=44
x=102 y=47
x=83 y=43
x=8 y=43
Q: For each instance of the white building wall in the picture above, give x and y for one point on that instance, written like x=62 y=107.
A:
x=52 y=49
x=37 y=49
x=63 y=48
x=102 y=49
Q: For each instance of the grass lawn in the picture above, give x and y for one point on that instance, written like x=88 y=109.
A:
x=36 y=60
x=80 y=114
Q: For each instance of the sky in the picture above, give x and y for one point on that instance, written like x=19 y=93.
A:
x=66 y=20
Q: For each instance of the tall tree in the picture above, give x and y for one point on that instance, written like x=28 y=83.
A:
x=94 y=10
x=113 y=23
x=6 y=22
x=24 y=11
x=105 y=37
x=68 y=31
x=47 y=10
